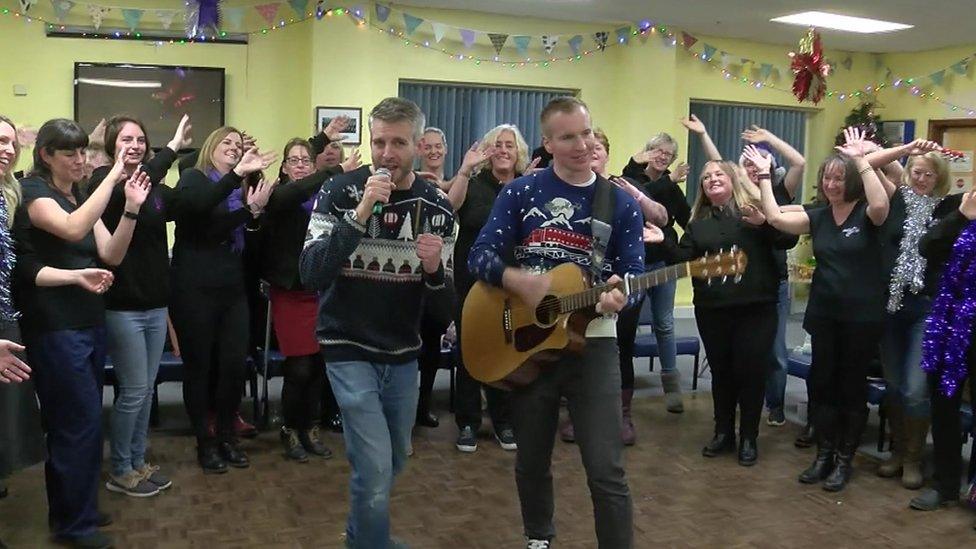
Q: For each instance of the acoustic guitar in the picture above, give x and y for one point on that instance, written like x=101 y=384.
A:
x=504 y=342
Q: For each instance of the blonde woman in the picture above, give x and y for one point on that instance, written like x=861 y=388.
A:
x=737 y=322
x=209 y=306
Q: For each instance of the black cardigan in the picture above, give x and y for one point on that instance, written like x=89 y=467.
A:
x=666 y=192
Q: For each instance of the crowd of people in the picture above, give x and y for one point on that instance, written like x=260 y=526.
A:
x=367 y=267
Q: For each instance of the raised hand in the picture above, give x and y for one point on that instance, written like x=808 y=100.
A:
x=533 y=166
x=136 y=190
x=652 y=233
x=117 y=174
x=336 y=126
x=642 y=157
x=474 y=156
x=752 y=215
x=627 y=187
x=968 y=205
x=922 y=146
x=693 y=124
x=181 y=139
x=429 y=247
x=257 y=197
x=249 y=142
x=12 y=369
x=680 y=172
x=755 y=134
x=98 y=134
x=254 y=160
x=758 y=159
x=96 y=281
x=352 y=162
x=26 y=136
x=855 y=145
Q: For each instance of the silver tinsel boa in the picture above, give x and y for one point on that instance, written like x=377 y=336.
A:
x=909 y=271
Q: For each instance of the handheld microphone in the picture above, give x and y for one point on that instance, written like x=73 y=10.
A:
x=378 y=207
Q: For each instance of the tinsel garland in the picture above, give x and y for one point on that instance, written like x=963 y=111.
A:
x=909 y=271
x=7 y=261
x=949 y=327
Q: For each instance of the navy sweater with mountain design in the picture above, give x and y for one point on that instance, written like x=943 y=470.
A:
x=371 y=283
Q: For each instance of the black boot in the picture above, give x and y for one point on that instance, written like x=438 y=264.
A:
x=722 y=443
x=233 y=455
x=210 y=459
x=821 y=466
x=808 y=436
x=748 y=452
x=844 y=467
x=3 y=491
x=841 y=475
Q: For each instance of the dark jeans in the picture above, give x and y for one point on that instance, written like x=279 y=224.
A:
x=68 y=372
x=212 y=327
x=301 y=392
x=467 y=397
x=429 y=360
x=739 y=344
x=591 y=384
x=842 y=353
x=947 y=431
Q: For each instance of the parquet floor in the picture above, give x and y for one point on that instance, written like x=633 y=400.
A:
x=447 y=499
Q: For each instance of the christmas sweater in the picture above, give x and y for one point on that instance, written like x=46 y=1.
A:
x=371 y=284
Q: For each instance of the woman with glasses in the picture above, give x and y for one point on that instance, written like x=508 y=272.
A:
x=294 y=310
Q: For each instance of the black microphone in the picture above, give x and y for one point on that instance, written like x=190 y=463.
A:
x=378 y=206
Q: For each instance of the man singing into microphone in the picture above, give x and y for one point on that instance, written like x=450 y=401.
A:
x=548 y=218
x=376 y=250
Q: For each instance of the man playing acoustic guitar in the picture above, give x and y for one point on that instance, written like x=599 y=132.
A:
x=564 y=214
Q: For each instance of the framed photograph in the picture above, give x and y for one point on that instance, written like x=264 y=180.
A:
x=898 y=132
x=353 y=133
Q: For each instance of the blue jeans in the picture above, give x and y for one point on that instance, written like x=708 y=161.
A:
x=379 y=405
x=901 y=354
x=135 y=344
x=776 y=379
x=662 y=310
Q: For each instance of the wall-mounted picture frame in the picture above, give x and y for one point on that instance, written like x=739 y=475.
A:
x=898 y=132
x=353 y=133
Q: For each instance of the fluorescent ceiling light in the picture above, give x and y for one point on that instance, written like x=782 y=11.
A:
x=120 y=83
x=840 y=22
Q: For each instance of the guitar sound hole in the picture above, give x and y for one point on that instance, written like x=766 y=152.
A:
x=547 y=311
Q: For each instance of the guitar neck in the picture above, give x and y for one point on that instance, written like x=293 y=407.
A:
x=640 y=283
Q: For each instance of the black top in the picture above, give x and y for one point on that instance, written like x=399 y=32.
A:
x=720 y=230
x=142 y=279
x=59 y=307
x=482 y=191
x=202 y=253
x=284 y=228
x=783 y=198
x=894 y=230
x=848 y=283
x=668 y=193
x=936 y=244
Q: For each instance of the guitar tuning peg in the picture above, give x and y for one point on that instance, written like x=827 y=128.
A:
x=708 y=281
x=737 y=279
x=725 y=279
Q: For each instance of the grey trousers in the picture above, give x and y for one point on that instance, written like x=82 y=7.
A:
x=591 y=384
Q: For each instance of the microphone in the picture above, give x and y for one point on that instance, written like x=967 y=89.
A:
x=378 y=207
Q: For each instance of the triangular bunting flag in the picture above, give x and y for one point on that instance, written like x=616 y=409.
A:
x=938 y=77
x=498 y=41
x=847 y=63
x=688 y=40
x=709 y=51
x=268 y=12
x=745 y=61
x=623 y=35
x=549 y=43
x=522 y=44
x=165 y=17
x=382 y=13
x=439 y=30
x=411 y=22
x=235 y=17
x=131 y=17
x=575 y=43
x=601 y=40
x=467 y=36
x=97 y=14
x=961 y=66
x=320 y=9
x=726 y=59
x=299 y=6
x=25 y=5
x=765 y=70
x=61 y=8
x=358 y=12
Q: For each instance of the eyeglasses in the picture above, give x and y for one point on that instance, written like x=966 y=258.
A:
x=298 y=161
x=664 y=153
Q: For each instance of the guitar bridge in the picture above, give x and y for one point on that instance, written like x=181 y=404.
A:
x=507 y=321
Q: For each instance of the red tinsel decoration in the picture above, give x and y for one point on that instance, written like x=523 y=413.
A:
x=810 y=69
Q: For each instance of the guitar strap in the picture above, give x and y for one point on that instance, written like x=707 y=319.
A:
x=600 y=225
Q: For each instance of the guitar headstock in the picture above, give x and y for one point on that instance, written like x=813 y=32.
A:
x=722 y=264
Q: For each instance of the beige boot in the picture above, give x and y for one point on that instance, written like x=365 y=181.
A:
x=916 y=433
x=892 y=466
x=672 y=391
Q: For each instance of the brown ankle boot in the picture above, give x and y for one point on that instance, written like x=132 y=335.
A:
x=892 y=466
x=627 y=434
x=916 y=433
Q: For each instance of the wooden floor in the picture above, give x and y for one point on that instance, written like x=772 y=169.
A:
x=448 y=499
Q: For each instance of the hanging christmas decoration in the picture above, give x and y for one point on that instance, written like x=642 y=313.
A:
x=810 y=70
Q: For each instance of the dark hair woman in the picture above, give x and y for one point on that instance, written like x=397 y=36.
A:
x=846 y=307
x=209 y=306
x=136 y=306
x=64 y=325
x=294 y=310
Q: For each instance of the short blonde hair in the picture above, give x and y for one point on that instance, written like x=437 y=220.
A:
x=205 y=160
x=941 y=172
x=742 y=194
x=522 y=158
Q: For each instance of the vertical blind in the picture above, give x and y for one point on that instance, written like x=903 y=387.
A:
x=725 y=124
x=466 y=113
